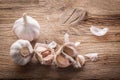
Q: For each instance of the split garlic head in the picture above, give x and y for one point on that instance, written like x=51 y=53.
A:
x=98 y=31
x=70 y=47
x=27 y=28
x=45 y=53
x=17 y=49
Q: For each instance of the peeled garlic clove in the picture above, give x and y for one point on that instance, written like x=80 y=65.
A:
x=80 y=61
x=15 y=52
x=97 y=31
x=92 y=56
x=27 y=28
x=44 y=54
x=61 y=61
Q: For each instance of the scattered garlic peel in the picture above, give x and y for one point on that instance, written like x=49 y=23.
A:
x=92 y=56
x=97 y=31
x=15 y=52
x=80 y=61
x=66 y=37
x=52 y=45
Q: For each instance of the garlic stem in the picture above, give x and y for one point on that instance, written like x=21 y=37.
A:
x=25 y=18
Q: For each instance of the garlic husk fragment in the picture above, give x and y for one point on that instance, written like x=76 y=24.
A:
x=16 y=54
x=98 y=31
x=27 y=28
x=92 y=56
x=80 y=61
x=45 y=52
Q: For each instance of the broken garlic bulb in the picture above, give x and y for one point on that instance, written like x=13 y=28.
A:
x=16 y=54
x=66 y=53
x=45 y=52
x=26 y=28
x=97 y=31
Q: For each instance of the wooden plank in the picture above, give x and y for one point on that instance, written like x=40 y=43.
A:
x=48 y=13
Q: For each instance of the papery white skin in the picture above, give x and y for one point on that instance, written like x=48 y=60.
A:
x=26 y=28
x=92 y=56
x=15 y=52
x=39 y=48
x=80 y=61
x=97 y=31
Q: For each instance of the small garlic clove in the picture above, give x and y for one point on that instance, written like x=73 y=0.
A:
x=61 y=61
x=80 y=61
x=26 y=28
x=92 y=56
x=97 y=31
x=16 y=54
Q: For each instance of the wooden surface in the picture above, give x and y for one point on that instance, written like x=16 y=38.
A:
x=102 y=13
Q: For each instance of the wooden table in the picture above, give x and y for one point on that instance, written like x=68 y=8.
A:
x=48 y=12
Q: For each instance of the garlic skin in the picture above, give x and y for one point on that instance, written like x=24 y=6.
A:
x=92 y=56
x=97 y=31
x=80 y=61
x=16 y=54
x=45 y=52
x=26 y=28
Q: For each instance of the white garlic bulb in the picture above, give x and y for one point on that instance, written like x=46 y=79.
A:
x=26 y=28
x=15 y=52
x=97 y=31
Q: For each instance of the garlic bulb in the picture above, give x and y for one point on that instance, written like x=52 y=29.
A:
x=15 y=52
x=97 y=31
x=45 y=53
x=92 y=56
x=26 y=28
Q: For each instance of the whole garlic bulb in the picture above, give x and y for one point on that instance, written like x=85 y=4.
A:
x=26 y=28
x=15 y=52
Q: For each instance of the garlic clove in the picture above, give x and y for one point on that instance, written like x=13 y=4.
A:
x=70 y=50
x=26 y=28
x=97 y=31
x=92 y=56
x=80 y=61
x=61 y=61
x=44 y=54
x=16 y=54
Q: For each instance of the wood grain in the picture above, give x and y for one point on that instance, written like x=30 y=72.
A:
x=48 y=13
